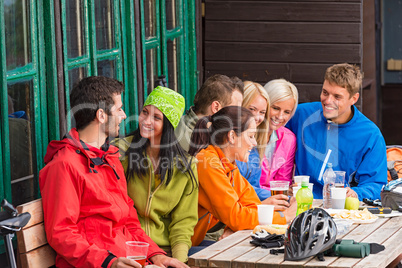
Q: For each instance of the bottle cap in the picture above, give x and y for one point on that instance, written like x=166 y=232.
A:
x=329 y=165
x=304 y=183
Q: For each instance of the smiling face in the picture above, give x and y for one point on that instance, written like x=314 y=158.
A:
x=244 y=143
x=115 y=117
x=337 y=103
x=280 y=113
x=258 y=107
x=151 y=123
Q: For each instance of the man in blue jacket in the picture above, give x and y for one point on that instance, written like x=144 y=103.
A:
x=357 y=144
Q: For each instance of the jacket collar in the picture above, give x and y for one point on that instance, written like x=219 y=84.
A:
x=227 y=165
x=73 y=138
x=190 y=118
x=355 y=112
x=95 y=157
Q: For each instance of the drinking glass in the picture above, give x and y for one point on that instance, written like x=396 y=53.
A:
x=137 y=251
x=279 y=187
x=340 y=179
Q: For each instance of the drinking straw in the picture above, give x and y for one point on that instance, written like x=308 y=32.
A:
x=324 y=164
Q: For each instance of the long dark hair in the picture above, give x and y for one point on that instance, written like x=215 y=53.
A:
x=229 y=118
x=170 y=154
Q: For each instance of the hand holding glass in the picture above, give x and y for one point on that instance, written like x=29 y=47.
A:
x=137 y=251
x=279 y=187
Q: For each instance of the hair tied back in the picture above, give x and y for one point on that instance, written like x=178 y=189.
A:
x=209 y=123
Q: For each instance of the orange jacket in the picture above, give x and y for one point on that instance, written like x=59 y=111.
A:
x=224 y=195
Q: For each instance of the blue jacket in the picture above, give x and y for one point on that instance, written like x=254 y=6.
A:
x=252 y=172
x=358 y=148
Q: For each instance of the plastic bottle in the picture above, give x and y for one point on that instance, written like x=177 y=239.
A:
x=329 y=182
x=304 y=198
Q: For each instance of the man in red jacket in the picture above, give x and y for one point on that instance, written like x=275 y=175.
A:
x=88 y=214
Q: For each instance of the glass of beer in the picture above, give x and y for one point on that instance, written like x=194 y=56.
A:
x=279 y=187
x=137 y=251
x=340 y=179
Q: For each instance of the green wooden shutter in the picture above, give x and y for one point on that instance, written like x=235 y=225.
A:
x=169 y=47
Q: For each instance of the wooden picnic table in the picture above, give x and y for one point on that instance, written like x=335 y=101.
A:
x=235 y=251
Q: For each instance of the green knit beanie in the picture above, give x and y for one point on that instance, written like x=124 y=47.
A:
x=169 y=102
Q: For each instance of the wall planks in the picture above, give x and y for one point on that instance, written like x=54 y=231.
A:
x=325 y=11
x=295 y=40
x=282 y=52
x=291 y=32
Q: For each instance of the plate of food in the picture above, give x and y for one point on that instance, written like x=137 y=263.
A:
x=357 y=216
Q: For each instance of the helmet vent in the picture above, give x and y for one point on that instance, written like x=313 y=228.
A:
x=319 y=226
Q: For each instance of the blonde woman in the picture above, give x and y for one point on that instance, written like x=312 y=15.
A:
x=256 y=100
x=279 y=157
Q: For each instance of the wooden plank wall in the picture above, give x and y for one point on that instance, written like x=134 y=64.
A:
x=371 y=92
x=392 y=113
x=295 y=40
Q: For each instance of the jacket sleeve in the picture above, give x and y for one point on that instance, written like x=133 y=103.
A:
x=285 y=172
x=134 y=227
x=371 y=174
x=184 y=218
x=251 y=171
x=293 y=122
x=61 y=193
x=237 y=211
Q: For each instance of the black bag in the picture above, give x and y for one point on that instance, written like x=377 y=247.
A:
x=391 y=195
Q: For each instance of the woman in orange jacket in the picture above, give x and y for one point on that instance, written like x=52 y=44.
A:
x=225 y=197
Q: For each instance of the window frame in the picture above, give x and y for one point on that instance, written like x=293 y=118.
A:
x=41 y=120
x=93 y=56
x=185 y=33
x=32 y=71
x=49 y=68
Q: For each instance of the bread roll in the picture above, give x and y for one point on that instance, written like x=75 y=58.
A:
x=272 y=229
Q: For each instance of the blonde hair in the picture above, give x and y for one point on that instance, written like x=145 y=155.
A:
x=345 y=75
x=252 y=90
x=281 y=90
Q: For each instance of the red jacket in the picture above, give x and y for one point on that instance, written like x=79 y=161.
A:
x=87 y=212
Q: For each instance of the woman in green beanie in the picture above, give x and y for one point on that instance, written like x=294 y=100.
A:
x=162 y=178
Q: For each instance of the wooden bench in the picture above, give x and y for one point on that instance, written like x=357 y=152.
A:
x=34 y=251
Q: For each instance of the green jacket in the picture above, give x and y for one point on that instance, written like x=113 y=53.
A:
x=185 y=128
x=168 y=214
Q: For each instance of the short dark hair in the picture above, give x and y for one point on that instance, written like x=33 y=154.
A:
x=218 y=87
x=91 y=94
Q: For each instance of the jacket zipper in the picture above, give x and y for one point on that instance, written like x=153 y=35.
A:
x=148 y=206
